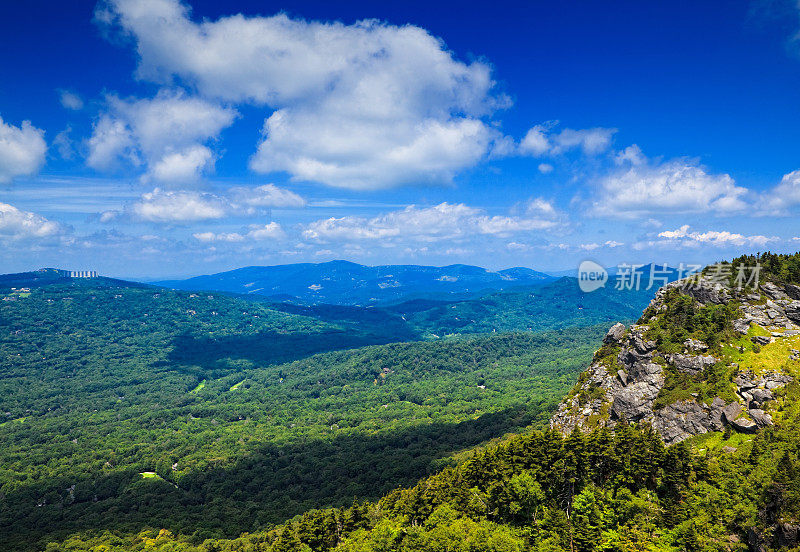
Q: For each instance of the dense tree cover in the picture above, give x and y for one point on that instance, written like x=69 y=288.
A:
x=780 y=267
x=602 y=491
x=231 y=413
x=553 y=306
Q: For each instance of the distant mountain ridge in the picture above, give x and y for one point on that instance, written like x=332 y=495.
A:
x=347 y=283
x=51 y=276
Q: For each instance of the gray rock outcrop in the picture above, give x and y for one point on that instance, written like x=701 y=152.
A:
x=632 y=371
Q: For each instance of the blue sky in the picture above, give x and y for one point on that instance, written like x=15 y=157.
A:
x=159 y=138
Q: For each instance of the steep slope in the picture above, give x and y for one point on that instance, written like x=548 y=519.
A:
x=346 y=283
x=704 y=355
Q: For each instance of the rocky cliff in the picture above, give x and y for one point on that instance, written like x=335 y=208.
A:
x=705 y=356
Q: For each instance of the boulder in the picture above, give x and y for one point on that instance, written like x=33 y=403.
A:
x=792 y=291
x=635 y=402
x=744 y=425
x=641 y=345
x=792 y=311
x=706 y=294
x=741 y=325
x=695 y=345
x=731 y=412
x=773 y=381
x=692 y=364
x=684 y=419
x=761 y=418
x=773 y=314
x=744 y=382
x=772 y=291
x=615 y=333
x=623 y=377
x=645 y=371
x=760 y=396
x=761 y=339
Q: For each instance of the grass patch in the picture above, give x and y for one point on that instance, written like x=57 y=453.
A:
x=771 y=357
x=199 y=387
x=18 y=420
x=714 y=441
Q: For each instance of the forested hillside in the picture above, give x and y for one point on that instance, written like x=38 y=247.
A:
x=556 y=305
x=622 y=491
x=735 y=488
x=129 y=406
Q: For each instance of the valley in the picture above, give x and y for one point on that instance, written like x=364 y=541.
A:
x=214 y=414
x=176 y=420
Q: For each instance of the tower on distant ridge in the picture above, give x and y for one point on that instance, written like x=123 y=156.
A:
x=83 y=274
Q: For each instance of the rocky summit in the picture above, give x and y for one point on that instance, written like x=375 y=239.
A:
x=705 y=356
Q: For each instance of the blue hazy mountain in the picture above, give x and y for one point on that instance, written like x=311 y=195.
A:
x=346 y=283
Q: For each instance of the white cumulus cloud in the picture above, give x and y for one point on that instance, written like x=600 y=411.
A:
x=540 y=140
x=267 y=195
x=16 y=224
x=715 y=238
x=639 y=187
x=185 y=206
x=782 y=197
x=167 y=206
x=167 y=132
x=254 y=232
x=22 y=150
x=359 y=106
x=428 y=224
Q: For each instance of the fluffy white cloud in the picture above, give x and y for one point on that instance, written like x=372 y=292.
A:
x=686 y=238
x=590 y=141
x=16 y=224
x=367 y=105
x=167 y=132
x=22 y=150
x=184 y=206
x=70 y=100
x=110 y=142
x=641 y=187
x=267 y=195
x=782 y=197
x=535 y=142
x=254 y=232
x=352 y=153
x=540 y=140
x=428 y=224
x=182 y=166
x=166 y=206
